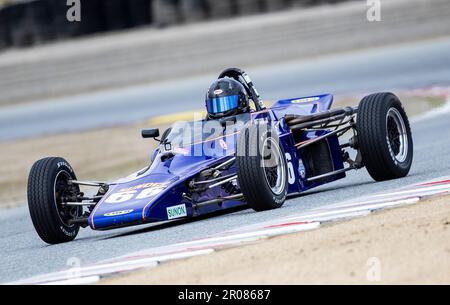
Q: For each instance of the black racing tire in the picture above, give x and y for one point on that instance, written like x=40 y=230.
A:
x=261 y=189
x=47 y=180
x=384 y=136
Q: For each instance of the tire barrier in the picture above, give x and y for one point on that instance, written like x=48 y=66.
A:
x=194 y=10
x=115 y=15
x=220 y=9
x=17 y=20
x=140 y=13
x=246 y=7
x=166 y=12
x=5 y=37
x=29 y=22
x=63 y=28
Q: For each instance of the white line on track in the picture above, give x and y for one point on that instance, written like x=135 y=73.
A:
x=76 y=281
x=258 y=234
x=83 y=273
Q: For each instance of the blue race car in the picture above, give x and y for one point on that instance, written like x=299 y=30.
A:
x=241 y=153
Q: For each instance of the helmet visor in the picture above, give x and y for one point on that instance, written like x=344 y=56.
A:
x=222 y=104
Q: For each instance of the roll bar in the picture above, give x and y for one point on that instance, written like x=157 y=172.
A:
x=242 y=77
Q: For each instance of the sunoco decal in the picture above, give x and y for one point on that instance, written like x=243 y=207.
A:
x=177 y=211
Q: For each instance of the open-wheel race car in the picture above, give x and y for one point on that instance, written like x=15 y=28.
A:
x=253 y=156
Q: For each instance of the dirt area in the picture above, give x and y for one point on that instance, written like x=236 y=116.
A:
x=110 y=153
x=359 y=251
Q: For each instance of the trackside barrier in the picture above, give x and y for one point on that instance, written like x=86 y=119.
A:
x=5 y=38
x=29 y=22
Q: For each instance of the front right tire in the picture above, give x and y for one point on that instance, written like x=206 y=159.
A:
x=47 y=185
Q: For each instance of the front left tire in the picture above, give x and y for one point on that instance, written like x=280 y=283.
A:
x=384 y=136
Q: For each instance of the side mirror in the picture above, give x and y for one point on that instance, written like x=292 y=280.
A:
x=150 y=133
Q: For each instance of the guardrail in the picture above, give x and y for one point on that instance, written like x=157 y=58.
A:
x=24 y=23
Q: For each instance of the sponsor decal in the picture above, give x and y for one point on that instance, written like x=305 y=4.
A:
x=218 y=91
x=306 y=99
x=144 y=186
x=73 y=233
x=177 y=211
x=59 y=164
x=118 y=213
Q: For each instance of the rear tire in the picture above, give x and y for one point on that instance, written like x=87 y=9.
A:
x=384 y=136
x=263 y=181
x=47 y=183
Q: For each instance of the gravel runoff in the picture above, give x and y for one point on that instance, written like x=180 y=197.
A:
x=407 y=245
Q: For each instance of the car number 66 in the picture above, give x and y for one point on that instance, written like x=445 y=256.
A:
x=125 y=196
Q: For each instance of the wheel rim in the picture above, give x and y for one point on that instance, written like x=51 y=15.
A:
x=65 y=213
x=396 y=136
x=273 y=164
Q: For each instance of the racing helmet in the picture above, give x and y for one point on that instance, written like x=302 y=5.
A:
x=226 y=97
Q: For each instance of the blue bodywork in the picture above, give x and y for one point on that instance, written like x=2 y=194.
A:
x=156 y=193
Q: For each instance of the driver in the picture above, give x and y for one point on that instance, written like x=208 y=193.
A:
x=226 y=97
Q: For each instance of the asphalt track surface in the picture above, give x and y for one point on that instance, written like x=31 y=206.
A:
x=23 y=254
x=405 y=66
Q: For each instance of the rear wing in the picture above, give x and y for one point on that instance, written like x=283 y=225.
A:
x=302 y=105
